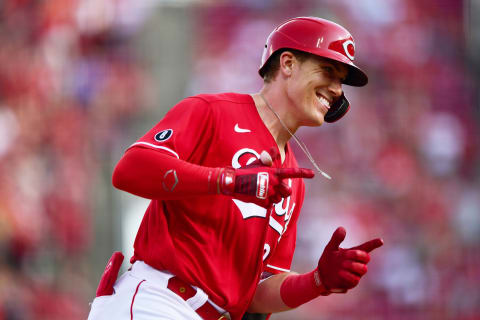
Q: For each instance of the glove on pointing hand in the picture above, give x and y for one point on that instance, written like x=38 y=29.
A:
x=341 y=269
x=258 y=183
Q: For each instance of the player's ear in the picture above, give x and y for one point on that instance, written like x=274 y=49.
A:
x=287 y=61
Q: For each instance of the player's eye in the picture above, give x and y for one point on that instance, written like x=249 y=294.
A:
x=328 y=71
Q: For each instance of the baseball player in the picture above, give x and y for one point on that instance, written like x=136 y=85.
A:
x=218 y=237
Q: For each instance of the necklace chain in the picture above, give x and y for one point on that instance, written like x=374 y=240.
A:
x=297 y=140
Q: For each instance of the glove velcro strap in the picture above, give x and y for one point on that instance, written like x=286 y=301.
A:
x=262 y=185
x=226 y=181
x=253 y=184
x=319 y=284
x=246 y=184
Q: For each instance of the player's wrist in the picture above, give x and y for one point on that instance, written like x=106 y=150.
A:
x=225 y=182
x=298 y=289
x=322 y=289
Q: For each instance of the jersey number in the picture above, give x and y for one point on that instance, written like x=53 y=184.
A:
x=266 y=251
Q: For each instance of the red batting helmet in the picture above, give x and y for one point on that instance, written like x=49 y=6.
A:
x=322 y=38
x=319 y=37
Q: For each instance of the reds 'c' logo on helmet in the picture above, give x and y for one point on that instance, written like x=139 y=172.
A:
x=349 y=47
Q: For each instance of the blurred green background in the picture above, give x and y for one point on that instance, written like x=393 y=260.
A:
x=81 y=80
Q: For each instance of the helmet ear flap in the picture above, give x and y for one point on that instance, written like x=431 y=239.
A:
x=338 y=109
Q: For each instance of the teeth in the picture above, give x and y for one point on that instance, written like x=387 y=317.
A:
x=324 y=102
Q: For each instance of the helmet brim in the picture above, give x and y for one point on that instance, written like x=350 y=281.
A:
x=355 y=76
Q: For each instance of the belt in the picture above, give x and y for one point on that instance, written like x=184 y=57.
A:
x=185 y=291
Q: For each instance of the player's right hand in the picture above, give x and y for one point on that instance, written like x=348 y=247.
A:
x=341 y=269
x=258 y=183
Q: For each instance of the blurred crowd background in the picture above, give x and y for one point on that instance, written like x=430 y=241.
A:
x=80 y=80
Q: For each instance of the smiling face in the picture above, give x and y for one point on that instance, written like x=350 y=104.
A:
x=312 y=86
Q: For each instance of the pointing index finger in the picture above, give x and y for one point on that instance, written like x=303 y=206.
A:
x=370 y=245
x=283 y=173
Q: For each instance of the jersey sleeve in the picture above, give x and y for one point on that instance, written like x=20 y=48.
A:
x=281 y=259
x=185 y=130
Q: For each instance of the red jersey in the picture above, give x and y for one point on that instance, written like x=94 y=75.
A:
x=215 y=242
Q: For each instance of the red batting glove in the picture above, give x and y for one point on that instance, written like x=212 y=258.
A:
x=261 y=185
x=341 y=269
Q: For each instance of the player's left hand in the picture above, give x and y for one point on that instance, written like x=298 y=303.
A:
x=341 y=269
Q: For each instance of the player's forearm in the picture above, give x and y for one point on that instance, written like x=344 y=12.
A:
x=286 y=291
x=155 y=175
x=267 y=298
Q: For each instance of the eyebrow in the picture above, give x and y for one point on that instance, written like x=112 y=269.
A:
x=336 y=67
x=333 y=63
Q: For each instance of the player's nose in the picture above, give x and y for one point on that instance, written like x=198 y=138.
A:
x=335 y=88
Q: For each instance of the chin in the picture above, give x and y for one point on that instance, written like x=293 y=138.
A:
x=315 y=122
x=319 y=119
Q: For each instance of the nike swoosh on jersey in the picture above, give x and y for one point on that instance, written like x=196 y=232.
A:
x=240 y=130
